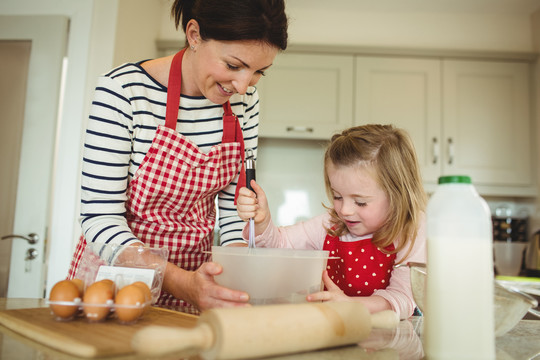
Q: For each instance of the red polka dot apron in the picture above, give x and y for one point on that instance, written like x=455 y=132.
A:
x=171 y=198
x=361 y=267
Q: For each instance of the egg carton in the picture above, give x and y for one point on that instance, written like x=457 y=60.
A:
x=123 y=265
x=94 y=312
x=99 y=303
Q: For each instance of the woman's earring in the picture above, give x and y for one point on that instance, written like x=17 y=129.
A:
x=192 y=47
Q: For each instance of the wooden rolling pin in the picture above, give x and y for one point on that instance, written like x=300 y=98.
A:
x=240 y=333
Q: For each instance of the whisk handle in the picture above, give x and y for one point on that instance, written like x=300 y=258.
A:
x=250 y=169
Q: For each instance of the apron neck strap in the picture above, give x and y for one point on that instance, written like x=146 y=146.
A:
x=173 y=90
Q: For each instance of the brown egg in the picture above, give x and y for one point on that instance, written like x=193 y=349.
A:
x=108 y=282
x=129 y=303
x=97 y=299
x=80 y=285
x=64 y=290
x=147 y=294
x=146 y=291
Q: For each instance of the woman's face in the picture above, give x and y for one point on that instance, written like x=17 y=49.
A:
x=358 y=199
x=222 y=68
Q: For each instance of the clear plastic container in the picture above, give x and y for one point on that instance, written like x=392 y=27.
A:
x=123 y=265
x=271 y=276
x=509 y=257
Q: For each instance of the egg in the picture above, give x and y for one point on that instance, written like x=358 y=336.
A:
x=80 y=285
x=97 y=300
x=146 y=290
x=65 y=290
x=109 y=283
x=129 y=303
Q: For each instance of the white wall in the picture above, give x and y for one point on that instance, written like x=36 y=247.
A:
x=354 y=23
x=338 y=26
x=138 y=26
x=167 y=30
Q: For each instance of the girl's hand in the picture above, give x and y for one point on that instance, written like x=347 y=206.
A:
x=253 y=205
x=199 y=288
x=373 y=303
x=333 y=292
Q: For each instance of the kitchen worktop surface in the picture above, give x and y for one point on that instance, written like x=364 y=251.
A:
x=522 y=342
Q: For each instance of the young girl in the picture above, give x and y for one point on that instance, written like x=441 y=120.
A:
x=376 y=219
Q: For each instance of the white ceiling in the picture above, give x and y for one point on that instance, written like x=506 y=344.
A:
x=437 y=6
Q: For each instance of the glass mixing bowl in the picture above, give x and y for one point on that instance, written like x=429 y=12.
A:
x=510 y=304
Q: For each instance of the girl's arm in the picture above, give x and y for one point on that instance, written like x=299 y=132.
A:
x=399 y=291
x=308 y=234
x=397 y=296
x=254 y=205
x=373 y=303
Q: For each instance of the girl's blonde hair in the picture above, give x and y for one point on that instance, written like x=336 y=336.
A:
x=389 y=151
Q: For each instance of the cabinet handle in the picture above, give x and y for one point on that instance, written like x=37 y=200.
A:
x=435 y=150
x=450 y=151
x=300 y=128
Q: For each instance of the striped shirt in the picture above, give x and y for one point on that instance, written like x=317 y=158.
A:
x=127 y=108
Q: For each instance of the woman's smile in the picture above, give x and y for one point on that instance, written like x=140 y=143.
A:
x=225 y=91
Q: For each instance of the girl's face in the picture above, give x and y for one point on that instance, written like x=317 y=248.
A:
x=223 y=68
x=358 y=199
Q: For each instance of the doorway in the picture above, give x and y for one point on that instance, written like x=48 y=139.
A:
x=15 y=59
x=27 y=142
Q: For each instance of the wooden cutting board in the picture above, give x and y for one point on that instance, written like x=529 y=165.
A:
x=81 y=338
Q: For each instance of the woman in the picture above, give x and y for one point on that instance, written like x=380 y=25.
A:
x=166 y=136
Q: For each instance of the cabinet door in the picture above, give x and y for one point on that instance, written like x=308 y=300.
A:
x=487 y=122
x=405 y=93
x=306 y=96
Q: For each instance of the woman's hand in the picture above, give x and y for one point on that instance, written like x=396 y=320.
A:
x=199 y=288
x=253 y=204
x=333 y=292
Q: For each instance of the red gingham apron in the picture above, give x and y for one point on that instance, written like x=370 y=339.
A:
x=361 y=267
x=171 y=196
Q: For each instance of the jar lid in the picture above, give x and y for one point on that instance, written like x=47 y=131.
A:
x=461 y=179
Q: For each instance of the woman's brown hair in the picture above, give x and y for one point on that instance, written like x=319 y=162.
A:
x=232 y=20
x=390 y=152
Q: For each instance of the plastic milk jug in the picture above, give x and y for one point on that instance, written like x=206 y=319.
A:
x=459 y=310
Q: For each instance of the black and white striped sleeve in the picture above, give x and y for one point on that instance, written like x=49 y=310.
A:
x=105 y=165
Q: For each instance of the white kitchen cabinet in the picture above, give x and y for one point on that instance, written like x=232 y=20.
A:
x=465 y=117
x=486 y=122
x=306 y=96
x=407 y=94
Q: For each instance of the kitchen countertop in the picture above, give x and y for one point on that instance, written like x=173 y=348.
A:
x=522 y=342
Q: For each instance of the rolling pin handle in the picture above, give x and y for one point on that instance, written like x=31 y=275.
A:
x=386 y=319
x=161 y=340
